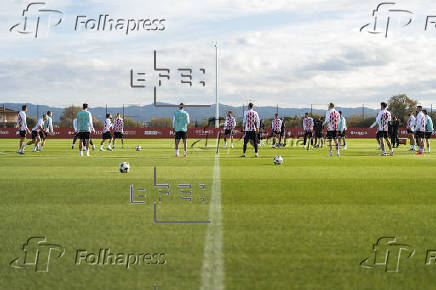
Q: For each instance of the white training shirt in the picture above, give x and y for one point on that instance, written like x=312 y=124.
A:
x=107 y=125
x=91 y=124
x=276 y=125
x=230 y=123
x=251 y=120
x=119 y=125
x=75 y=124
x=38 y=125
x=22 y=121
x=332 y=118
x=420 y=122
x=382 y=120
x=411 y=123
x=308 y=124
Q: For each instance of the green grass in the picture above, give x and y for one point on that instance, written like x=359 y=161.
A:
x=306 y=224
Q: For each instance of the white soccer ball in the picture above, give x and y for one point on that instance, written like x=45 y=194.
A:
x=124 y=167
x=278 y=160
x=138 y=148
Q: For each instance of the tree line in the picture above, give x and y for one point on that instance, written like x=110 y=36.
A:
x=398 y=105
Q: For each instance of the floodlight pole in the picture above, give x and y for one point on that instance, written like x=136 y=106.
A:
x=217 y=112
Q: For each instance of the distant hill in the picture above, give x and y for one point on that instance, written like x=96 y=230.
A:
x=147 y=112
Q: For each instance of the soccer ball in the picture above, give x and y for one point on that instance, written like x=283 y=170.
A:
x=138 y=148
x=124 y=167
x=278 y=160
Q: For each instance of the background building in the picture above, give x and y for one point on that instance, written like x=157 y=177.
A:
x=8 y=117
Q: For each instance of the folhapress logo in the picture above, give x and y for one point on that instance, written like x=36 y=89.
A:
x=36 y=19
x=104 y=257
x=37 y=254
x=387 y=253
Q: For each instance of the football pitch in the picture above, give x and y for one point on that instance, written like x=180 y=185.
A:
x=216 y=222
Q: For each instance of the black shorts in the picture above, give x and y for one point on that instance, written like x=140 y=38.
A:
x=382 y=134
x=107 y=135
x=118 y=135
x=308 y=133
x=251 y=135
x=84 y=135
x=282 y=133
x=228 y=132
x=22 y=134
x=276 y=132
x=35 y=134
x=410 y=131
x=318 y=134
x=420 y=134
x=181 y=135
x=428 y=135
x=331 y=134
x=342 y=133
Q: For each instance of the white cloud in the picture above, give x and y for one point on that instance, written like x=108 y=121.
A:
x=317 y=56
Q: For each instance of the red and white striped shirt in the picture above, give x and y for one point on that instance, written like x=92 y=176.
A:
x=308 y=124
x=230 y=123
x=420 y=122
x=119 y=125
x=276 y=125
x=383 y=119
x=21 y=121
x=332 y=118
x=251 y=120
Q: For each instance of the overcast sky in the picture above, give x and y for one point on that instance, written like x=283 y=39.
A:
x=291 y=53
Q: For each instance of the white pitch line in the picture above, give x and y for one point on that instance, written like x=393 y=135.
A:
x=212 y=275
